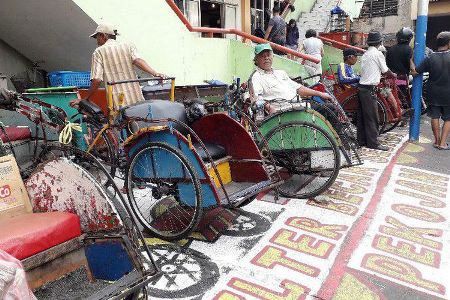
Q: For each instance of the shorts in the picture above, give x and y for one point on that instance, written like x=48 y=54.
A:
x=436 y=112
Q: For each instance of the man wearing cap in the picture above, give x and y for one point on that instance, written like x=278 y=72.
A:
x=114 y=61
x=267 y=84
x=373 y=64
x=345 y=73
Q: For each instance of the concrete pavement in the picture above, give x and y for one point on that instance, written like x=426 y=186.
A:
x=380 y=232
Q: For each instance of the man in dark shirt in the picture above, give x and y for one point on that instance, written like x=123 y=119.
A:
x=399 y=57
x=276 y=31
x=438 y=65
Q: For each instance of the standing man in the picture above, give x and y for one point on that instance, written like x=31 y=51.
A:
x=276 y=31
x=438 y=65
x=399 y=57
x=114 y=61
x=373 y=64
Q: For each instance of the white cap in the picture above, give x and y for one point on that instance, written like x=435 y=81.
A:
x=104 y=28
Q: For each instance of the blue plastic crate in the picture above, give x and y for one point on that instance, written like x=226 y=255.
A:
x=70 y=78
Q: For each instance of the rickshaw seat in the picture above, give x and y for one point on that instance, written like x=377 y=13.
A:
x=157 y=109
x=216 y=151
x=31 y=233
x=14 y=133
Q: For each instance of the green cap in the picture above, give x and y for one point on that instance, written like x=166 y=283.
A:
x=261 y=47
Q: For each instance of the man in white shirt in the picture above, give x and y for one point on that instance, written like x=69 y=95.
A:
x=373 y=64
x=267 y=84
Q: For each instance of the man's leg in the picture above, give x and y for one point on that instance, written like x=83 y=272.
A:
x=371 y=120
x=436 y=131
x=445 y=127
x=444 y=134
x=360 y=130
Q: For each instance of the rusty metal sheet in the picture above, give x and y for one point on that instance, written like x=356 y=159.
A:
x=62 y=185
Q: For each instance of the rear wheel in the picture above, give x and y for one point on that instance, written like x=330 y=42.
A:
x=382 y=117
x=164 y=191
x=307 y=158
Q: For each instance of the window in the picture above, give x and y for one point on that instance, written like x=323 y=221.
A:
x=379 y=8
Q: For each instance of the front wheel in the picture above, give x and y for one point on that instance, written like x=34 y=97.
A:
x=307 y=158
x=164 y=190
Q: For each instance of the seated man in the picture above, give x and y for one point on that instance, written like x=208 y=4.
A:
x=345 y=73
x=268 y=84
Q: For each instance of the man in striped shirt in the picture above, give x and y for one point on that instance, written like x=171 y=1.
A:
x=114 y=61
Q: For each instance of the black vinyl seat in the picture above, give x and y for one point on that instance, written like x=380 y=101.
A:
x=216 y=151
x=157 y=109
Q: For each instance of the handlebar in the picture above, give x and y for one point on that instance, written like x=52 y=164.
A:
x=140 y=80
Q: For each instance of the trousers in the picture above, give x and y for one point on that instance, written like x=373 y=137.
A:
x=367 y=118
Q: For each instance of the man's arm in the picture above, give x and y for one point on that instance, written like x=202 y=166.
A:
x=303 y=91
x=269 y=29
x=384 y=68
x=144 y=66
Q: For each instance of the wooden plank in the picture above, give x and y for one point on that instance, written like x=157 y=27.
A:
x=57 y=268
x=52 y=253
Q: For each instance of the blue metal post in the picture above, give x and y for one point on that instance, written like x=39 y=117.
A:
x=419 y=53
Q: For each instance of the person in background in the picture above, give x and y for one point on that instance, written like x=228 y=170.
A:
x=399 y=57
x=292 y=35
x=345 y=73
x=373 y=64
x=314 y=47
x=114 y=61
x=276 y=31
x=438 y=66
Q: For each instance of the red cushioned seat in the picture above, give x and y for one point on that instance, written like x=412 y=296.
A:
x=15 y=133
x=28 y=234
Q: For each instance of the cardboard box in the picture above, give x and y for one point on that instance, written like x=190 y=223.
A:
x=13 y=195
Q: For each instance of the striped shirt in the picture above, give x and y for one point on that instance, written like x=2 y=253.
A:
x=113 y=61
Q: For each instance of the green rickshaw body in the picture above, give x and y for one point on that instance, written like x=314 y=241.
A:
x=299 y=115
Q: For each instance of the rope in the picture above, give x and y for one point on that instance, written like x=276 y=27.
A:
x=65 y=137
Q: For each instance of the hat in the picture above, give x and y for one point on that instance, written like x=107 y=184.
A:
x=374 y=38
x=443 y=39
x=104 y=28
x=262 y=47
x=348 y=52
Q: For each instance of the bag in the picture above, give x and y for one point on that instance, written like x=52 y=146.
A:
x=13 y=195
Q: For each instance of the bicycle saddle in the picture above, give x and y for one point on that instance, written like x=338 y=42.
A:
x=88 y=108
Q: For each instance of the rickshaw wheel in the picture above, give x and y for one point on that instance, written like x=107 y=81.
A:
x=390 y=126
x=307 y=158
x=164 y=190
x=382 y=117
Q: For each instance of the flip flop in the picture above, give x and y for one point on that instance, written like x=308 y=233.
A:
x=436 y=146
x=447 y=147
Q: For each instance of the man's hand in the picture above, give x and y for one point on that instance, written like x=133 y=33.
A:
x=160 y=75
x=74 y=103
x=325 y=96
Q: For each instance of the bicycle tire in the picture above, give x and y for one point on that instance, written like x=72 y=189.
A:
x=155 y=221
x=300 y=170
x=382 y=116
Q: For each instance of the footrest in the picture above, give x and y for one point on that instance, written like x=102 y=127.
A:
x=128 y=284
x=241 y=196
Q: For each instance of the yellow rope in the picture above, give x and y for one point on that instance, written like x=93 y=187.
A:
x=65 y=137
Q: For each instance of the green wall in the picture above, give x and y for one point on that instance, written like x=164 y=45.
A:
x=170 y=48
x=301 y=6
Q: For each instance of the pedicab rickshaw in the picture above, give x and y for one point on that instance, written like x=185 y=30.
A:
x=389 y=101
x=70 y=225
x=307 y=150
x=176 y=165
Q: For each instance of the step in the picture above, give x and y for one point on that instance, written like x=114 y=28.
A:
x=238 y=192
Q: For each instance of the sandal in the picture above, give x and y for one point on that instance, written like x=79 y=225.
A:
x=447 y=147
